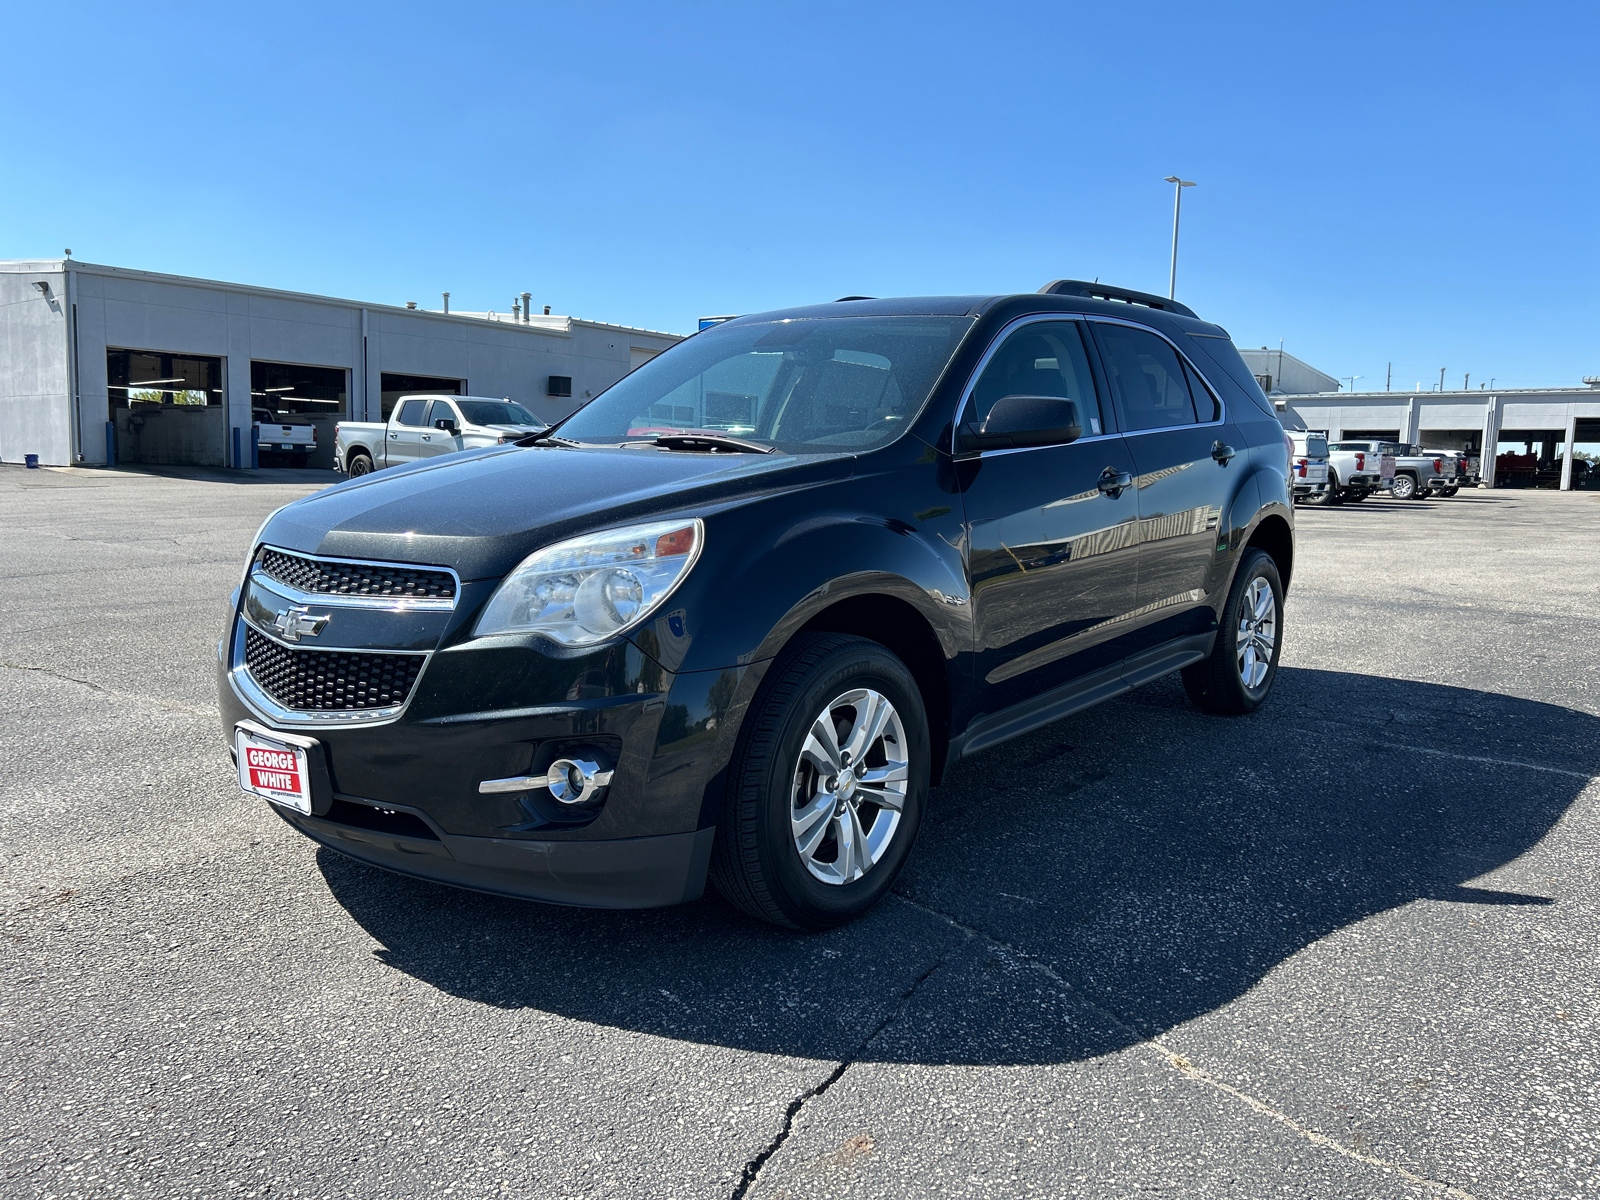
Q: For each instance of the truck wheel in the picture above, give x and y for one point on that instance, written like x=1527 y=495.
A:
x=1329 y=495
x=1450 y=491
x=826 y=787
x=360 y=465
x=1237 y=676
x=1404 y=487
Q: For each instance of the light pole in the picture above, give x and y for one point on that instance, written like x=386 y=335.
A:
x=1177 y=207
x=1351 y=380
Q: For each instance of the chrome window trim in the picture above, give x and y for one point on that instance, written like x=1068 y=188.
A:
x=1222 y=405
x=334 y=599
x=255 y=698
x=1031 y=318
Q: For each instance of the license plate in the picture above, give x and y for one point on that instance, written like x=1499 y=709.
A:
x=1317 y=474
x=285 y=446
x=273 y=769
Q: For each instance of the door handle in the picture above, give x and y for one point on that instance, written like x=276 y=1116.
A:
x=427 y=437
x=1222 y=452
x=394 y=437
x=1112 y=481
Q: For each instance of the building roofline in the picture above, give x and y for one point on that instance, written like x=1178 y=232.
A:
x=1457 y=396
x=23 y=266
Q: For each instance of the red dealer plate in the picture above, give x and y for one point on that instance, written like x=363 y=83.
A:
x=273 y=769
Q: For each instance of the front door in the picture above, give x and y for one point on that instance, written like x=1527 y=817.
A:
x=1052 y=530
x=404 y=436
x=436 y=441
x=1187 y=465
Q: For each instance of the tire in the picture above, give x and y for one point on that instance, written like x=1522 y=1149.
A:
x=1217 y=684
x=1404 y=487
x=360 y=464
x=757 y=861
x=1450 y=491
x=1357 y=497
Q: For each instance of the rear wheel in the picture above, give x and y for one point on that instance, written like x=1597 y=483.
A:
x=1357 y=497
x=1329 y=494
x=1237 y=676
x=1450 y=491
x=1404 y=487
x=826 y=786
x=360 y=464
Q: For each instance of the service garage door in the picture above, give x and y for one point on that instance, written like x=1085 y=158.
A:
x=167 y=408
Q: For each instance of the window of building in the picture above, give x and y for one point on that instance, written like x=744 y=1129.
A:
x=560 y=385
x=150 y=378
x=280 y=388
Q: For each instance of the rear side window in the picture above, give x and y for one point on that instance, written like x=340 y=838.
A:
x=1148 y=378
x=1044 y=358
x=411 y=412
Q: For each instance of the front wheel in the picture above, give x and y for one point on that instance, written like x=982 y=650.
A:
x=826 y=787
x=1237 y=676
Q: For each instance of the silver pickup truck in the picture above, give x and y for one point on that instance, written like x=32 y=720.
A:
x=1308 y=466
x=1456 y=470
x=1419 y=473
x=422 y=427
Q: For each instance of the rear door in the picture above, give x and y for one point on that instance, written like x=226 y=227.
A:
x=1052 y=558
x=403 y=439
x=1188 y=464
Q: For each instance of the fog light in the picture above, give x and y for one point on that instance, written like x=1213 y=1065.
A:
x=575 y=780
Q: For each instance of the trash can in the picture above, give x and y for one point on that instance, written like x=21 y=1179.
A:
x=31 y=461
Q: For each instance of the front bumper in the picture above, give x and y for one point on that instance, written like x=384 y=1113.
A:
x=403 y=793
x=645 y=872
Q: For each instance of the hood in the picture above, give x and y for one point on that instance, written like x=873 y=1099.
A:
x=482 y=512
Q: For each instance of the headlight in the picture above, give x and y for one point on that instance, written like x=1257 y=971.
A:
x=587 y=589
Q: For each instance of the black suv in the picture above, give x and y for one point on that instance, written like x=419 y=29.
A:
x=735 y=616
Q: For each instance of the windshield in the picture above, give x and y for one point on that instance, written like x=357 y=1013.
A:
x=493 y=412
x=804 y=386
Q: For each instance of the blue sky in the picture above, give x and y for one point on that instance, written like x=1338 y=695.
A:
x=1386 y=182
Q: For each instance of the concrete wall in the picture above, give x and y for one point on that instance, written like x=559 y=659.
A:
x=35 y=384
x=141 y=311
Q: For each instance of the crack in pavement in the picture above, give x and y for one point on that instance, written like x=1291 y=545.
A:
x=1186 y=1068
x=169 y=705
x=752 y=1169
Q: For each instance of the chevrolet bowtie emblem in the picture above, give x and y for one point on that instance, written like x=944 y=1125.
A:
x=294 y=623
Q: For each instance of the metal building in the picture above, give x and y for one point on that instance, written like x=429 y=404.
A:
x=1541 y=419
x=104 y=362
x=1277 y=371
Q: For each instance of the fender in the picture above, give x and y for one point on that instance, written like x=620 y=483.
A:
x=791 y=571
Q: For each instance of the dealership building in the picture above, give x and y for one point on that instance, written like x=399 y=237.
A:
x=1531 y=429
x=104 y=364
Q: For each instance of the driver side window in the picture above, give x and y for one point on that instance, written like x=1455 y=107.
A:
x=1044 y=358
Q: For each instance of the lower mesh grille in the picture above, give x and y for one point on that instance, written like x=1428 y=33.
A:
x=329 y=680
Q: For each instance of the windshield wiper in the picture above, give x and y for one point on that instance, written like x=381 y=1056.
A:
x=709 y=443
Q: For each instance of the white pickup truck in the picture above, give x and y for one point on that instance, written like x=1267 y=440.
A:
x=425 y=426
x=275 y=436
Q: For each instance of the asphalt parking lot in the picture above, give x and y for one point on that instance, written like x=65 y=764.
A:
x=1343 y=948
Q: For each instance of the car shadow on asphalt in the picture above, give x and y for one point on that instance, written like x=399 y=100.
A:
x=1093 y=883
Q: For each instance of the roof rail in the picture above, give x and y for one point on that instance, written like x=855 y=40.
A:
x=1104 y=291
x=842 y=299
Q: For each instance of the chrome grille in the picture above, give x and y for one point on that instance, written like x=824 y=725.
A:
x=329 y=680
x=328 y=577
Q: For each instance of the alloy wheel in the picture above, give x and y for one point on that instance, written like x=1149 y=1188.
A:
x=849 y=786
x=1258 y=632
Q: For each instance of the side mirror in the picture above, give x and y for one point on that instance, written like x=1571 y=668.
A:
x=448 y=425
x=1024 y=421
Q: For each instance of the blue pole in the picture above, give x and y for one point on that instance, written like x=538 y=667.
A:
x=236 y=461
x=255 y=447
x=111 y=443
